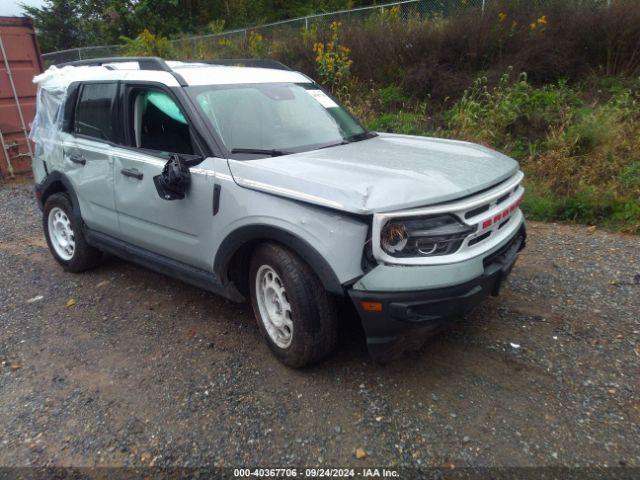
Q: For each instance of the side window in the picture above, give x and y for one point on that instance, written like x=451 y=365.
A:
x=93 y=112
x=157 y=123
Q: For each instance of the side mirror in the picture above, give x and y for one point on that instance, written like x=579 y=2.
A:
x=173 y=182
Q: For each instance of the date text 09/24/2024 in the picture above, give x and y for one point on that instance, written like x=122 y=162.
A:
x=315 y=472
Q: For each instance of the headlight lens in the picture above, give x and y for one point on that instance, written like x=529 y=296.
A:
x=423 y=237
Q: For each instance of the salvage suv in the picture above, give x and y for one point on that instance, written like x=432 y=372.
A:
x=249 y=180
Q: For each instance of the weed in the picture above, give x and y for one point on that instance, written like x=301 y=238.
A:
x=257 y=47
x=148 y=44
x=333 y=63
x=410 y=123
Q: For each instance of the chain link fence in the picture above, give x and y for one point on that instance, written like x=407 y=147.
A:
x=197 y=46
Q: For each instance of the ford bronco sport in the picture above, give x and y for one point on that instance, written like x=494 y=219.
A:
x=254 y=182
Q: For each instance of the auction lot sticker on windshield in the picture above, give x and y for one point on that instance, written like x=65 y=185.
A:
x=322 y=98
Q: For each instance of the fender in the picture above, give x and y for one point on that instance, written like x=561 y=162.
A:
x=51 y=184
x=250 y=233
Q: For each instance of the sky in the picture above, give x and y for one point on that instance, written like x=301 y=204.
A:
x=10 y=8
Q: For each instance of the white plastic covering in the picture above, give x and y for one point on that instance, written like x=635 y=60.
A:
x=52 y=92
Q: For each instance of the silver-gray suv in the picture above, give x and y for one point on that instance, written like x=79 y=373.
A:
x=249 y=180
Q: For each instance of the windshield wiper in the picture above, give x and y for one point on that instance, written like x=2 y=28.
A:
x=360 y=136
x=353 y=138
x=344 y=142
x=260 y=151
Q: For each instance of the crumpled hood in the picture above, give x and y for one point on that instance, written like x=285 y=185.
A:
x=385 y=173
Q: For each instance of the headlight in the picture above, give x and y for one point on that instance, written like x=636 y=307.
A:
x=423 y=237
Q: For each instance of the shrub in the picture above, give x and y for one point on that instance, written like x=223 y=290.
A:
x=410 y=123
x=257 y=47
x=216 y=26
x=582 y=158
x=384 y=15
x=148 y=44
x=391 y=98
x=332 y=62
x=440 y=57
x=509 y=112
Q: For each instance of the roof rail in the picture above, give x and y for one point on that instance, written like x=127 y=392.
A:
x=145 y=63
x=246 y=62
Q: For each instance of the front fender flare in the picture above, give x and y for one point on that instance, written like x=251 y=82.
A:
x=250 y=233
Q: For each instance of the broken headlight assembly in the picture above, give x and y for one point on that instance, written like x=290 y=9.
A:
x=423 y=237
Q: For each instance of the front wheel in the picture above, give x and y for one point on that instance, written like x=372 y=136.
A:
x=296 y=316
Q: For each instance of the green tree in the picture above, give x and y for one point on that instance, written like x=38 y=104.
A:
x=62 y=24
x=56 y=24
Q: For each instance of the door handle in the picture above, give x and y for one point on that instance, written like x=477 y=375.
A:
x=79 y=159
x=132 y=172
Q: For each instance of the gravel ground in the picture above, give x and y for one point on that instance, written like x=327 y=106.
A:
x=145 y=370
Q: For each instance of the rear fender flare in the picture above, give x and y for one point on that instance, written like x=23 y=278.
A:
x=57 y=182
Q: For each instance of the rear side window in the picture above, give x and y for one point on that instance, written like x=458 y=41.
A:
x=93 y=113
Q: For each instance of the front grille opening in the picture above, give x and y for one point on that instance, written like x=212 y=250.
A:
x=480 y=238
x=503 y=198
x=476 y=211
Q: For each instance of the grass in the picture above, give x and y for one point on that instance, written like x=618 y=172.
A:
x=579 y=145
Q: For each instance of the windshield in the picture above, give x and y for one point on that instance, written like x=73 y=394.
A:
x=272 y=119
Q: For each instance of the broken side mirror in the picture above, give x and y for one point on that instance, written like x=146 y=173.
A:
x=173 y=182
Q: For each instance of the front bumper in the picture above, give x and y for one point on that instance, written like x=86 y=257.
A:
x=407 y=318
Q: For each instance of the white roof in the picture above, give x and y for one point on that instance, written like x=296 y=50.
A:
x=55 y=78
x=223 y=75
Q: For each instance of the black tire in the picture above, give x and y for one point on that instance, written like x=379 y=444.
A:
x=313 y=310
x=84 y=256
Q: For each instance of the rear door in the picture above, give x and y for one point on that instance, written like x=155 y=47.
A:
x=156 y=126
x=87 y=155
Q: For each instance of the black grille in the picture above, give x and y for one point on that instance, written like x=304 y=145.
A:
x=503 y=223
x=503 y=198
x=476 y=211
x=478 y=239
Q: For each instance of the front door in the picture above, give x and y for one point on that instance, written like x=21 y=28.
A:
x=177 y=228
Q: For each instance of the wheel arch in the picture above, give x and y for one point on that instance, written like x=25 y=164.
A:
x=232 y=258
x=58 y=182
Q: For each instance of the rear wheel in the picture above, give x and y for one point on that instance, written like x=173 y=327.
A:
x=64 y=235
x=296 y=316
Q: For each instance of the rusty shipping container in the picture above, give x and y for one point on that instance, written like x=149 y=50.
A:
x=20 y=61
